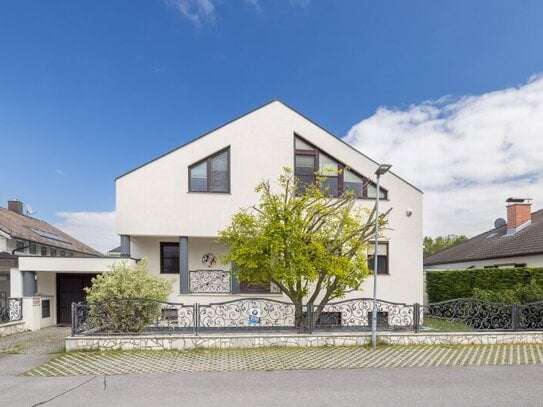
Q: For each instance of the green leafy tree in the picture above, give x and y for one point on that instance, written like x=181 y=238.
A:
x=432 y=246
x=125 y=299
x=310 y=245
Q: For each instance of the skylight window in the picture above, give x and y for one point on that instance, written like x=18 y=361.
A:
x=49 y=235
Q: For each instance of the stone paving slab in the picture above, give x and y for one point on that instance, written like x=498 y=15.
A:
x=137 y=362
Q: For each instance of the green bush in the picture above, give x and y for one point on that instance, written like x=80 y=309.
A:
x=125 y=299
x=520 y=294
x=510 y=283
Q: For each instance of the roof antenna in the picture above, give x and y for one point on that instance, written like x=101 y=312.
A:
x=30 y=211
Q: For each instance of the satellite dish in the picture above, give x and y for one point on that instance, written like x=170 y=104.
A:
x=498 y=223
x=30 y=211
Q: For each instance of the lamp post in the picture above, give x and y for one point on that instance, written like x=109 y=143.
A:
x=382 y=169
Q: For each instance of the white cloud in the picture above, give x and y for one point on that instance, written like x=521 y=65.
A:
x=96 y=229
x=197 y=11
x=301 y=3
x=467 y=154
x=204 y=11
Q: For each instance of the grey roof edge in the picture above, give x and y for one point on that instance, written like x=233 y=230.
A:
x=252 y=111
x=437 y=263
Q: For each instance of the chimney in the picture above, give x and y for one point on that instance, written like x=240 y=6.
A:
x=519 y=214
x=16 y=206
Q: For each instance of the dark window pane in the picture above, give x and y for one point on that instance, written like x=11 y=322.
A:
x=198 y=178
x=381 y=264
x=198 y=185
x=219 y=173
x=305 y=165
x=330 y=186
x=304 y=181
x=169 y=258
x=358 y=189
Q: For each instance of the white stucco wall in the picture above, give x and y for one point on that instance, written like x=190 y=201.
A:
x=68 y=264
x=154 y=199
x=531 y=261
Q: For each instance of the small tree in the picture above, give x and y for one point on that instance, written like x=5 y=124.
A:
x=432 y=246
x=125 y=298
x=310 y=245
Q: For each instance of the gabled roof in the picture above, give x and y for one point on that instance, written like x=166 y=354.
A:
x=38 y=231
x=248 y=113
x=492 y=244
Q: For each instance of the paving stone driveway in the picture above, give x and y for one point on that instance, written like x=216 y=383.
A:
x=23 y=351
x=129 y=362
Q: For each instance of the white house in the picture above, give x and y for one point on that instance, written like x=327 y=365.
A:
x=515 y=242
x=42 y=269
x=171 y=209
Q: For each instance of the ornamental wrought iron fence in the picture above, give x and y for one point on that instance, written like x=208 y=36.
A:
x=356 y=315
x=479 y=315
x=148 y=317
x=11 y=309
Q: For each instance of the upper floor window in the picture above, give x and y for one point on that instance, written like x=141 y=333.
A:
x=212 y=174
x=309 y=162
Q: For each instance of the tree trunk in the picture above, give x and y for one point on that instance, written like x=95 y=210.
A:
x=300 y=318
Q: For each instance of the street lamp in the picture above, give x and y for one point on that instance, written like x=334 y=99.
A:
x=382 y=169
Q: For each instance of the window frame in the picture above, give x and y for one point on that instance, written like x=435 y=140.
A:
x=168 y=244
x=315 y=152
x=387 y=258
x=207 y=160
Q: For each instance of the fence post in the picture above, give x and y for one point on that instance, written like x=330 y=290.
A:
x=416 y=317
x=514 y=316
x=196 y=317
x=74 y=321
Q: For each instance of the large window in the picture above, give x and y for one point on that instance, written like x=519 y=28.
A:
x=309 y=162
x=169 y=258
x=212 y=174
x=382 y=257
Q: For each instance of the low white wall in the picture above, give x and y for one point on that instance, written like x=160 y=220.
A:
x=32 y=312
x=186 y=342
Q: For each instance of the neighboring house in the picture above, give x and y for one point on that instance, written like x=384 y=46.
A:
x=515 y=242
x=115 y=252
x=171 y=209
x=45 y=266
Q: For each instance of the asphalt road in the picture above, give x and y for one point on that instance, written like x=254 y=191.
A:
x=437 y=386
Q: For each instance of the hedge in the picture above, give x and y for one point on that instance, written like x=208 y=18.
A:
x=450 y=284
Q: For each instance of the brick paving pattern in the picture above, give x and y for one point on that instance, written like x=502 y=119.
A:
x=133 y=362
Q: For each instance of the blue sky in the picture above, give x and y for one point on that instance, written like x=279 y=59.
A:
x=89 y=90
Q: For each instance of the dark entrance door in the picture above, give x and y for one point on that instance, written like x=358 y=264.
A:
x=70 y=289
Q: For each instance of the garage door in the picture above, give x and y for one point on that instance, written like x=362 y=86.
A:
x=70 y=289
